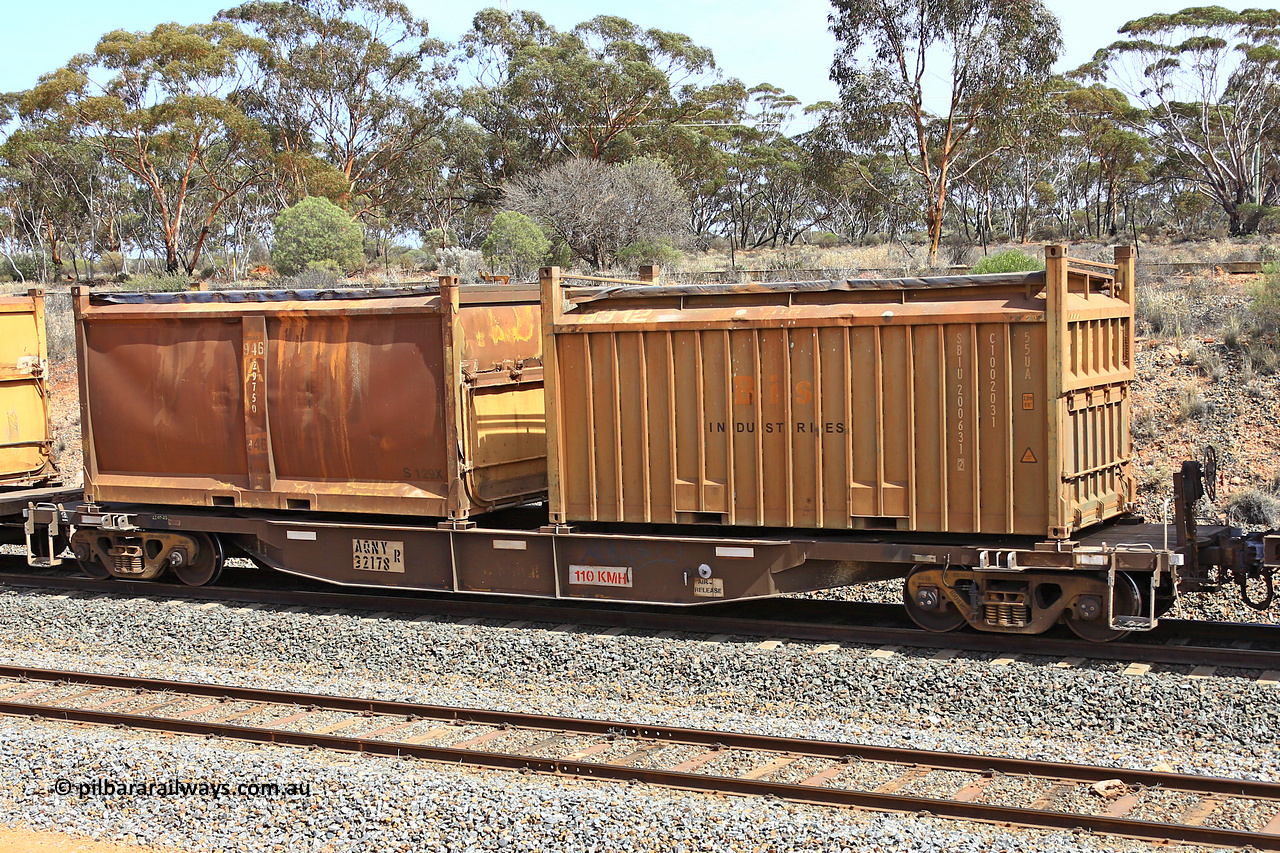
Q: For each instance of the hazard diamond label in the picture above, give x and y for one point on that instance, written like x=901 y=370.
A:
x=1028 y=456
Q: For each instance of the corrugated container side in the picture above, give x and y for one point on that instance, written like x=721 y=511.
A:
x=928 y=408
x=25 y=437
x=339 y=402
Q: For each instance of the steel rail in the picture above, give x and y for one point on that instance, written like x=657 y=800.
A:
x=798 y=747
x=648 y=618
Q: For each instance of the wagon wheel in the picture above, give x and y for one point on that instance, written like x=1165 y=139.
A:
x=941 y=618
x=1128 y=602
x=93 y=567
x=88 y=561
x=206 y=567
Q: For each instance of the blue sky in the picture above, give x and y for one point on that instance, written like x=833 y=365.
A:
x=755 y=40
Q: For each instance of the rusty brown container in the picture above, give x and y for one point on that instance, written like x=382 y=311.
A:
x=978 y=404
x=423 y=402
x=25 y=437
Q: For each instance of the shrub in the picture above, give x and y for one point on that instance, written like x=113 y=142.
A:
x=1264 y=357
x=1155 y=476
x=408 y=259
x=1254 y=506
x=515 y=245
x=315 y=229
x=328 y=266
x=112 y=264
x=159 y=282
x=1234 y=329
x=23 y=268
x=1143 y=424
x=1166 y=313
x=464 y=263
x=560 y=256
x=790 y=259
x=316 y=276
x=960 y=253
x=1191 y=403
x=663 y=254
x=598 y=208
x=1010 y=261
x=432 y=242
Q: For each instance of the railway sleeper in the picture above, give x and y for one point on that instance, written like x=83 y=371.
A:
x=1098 y=606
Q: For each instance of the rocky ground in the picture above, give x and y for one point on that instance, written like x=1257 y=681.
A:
x=1030 y=707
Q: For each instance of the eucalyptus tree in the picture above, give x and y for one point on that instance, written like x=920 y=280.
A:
x=862 y=186
x=605 y=90
x=1208 y=82
x=499 y=101
x=47 y=181
x=1100 y=119
x=355 y=95
x=160 y=106
x=983 y=50
x=769 y=196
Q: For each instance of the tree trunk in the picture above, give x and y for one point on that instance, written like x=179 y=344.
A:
x=195 y=253
x=54 y=257
x=933 y=221
x=171 y=264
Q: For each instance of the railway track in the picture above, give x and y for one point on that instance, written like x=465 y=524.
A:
x=1205 y=645
x=1038 y=795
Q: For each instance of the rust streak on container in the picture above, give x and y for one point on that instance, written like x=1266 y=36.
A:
x=344 y=401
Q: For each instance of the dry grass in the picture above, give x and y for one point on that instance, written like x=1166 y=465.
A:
x=1191 y=403
x=1209 y=363
x=1163 y=310
x=1254 y=506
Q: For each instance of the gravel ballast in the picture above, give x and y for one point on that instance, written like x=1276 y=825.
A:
x=907 y=695
x=362 y=803
x=1032 y=708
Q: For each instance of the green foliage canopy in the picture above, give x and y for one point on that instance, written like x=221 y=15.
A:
x=515 y=244
x=1206 y=81
x=354 y=96
x=1010 y=261
x=316 y=231
x=163 y=115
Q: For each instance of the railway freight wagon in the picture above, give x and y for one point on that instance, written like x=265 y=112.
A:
x=702 y=444
x=415 y=403
x=991 y=404
x=25 y=435
x=27 y=471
